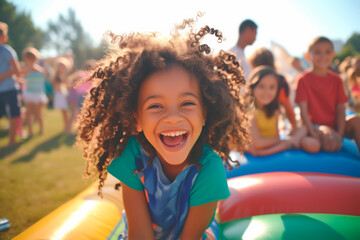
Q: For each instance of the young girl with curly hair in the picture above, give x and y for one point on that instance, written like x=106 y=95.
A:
x=261 y=95
x=159 y=118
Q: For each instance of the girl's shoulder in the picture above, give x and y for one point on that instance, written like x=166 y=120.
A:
x=40 y=69
x=209 y=158
x=211 y=182
x=260 y=115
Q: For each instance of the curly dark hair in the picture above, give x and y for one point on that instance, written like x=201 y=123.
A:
x=254 y=79
x=107 y=119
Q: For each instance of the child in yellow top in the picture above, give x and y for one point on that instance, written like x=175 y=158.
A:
x=262 y=91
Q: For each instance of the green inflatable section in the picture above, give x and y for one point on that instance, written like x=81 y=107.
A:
x=293 y=226
x=119 y=228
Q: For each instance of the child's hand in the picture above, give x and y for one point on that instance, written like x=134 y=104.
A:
x=294 y=142
x=315 y=134
x=252 y=150
x=331 y=141
x=24 y=72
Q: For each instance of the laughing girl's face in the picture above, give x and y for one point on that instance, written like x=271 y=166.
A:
x=171 y=114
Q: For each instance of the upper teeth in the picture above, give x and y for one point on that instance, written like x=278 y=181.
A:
x=173 y=134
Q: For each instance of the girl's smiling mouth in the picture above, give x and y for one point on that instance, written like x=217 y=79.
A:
x=174 y=140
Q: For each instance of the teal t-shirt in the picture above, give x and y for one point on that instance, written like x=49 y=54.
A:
x=210 y=184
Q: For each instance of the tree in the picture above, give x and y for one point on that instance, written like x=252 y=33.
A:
x=22 y=32
x=354 y=41
x=67 y=35
x=351 y=47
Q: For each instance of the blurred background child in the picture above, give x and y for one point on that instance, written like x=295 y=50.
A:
x=9 y=67
x=262 y=92
x=264 y=57
x=60 y=86
x=354 y=83
x=34 y=94
x=78 y=89
x=321 y=97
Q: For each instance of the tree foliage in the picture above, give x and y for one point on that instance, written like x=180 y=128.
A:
x=354 y=41
x=67 y=36
x=22 y=32
x=351 y=47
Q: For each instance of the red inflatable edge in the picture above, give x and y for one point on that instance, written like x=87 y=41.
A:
x=290 y=192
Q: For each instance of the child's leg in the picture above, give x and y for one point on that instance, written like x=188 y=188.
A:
x=28 y=114
x=297 y=135
x=38 y=116
x=74 y=113
x=330 y=140
x=310 y=144
x=352 y=129
x=66 y=121
x=19 y=127
x=306 y=143
x=12 y=131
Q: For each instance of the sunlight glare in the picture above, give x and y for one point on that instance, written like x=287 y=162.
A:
x=74 y=220
x=242 y=182
x=255 y=230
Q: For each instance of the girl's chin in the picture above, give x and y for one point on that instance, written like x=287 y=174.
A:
x=175 y=159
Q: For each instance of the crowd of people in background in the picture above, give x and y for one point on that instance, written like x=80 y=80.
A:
x=295 y=113
x=27 y=87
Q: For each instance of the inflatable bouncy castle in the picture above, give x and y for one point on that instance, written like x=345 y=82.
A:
x=288 y=195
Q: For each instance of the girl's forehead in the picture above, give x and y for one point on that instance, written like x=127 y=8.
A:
x=172 y=76
x=267 y=79
x=175 y=80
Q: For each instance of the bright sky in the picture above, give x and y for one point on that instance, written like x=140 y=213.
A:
x=290 y=23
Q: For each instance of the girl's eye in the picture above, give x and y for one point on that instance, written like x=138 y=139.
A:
x=188 y=103
x=154 y=106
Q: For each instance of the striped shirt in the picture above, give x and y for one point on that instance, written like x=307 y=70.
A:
x=35 y=82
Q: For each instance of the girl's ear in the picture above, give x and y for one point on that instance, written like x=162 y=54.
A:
x=137 y=124
x=205 y=115
x=307 y=56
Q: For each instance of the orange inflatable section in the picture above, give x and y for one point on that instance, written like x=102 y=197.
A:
x=290 y=192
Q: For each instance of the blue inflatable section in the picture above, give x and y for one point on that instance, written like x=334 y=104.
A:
x=344 y=162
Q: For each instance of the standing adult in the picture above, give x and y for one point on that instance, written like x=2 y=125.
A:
x=9 y=65
x=247 y=36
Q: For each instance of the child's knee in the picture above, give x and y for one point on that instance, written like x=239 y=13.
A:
x=300 y=132
x=331 y=143
x=310 y=144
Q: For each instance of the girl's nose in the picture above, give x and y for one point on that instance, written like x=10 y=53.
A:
x=173 y=116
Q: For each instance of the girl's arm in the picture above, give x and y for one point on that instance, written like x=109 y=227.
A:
x=258 y=141
x=281 y=146
x=137 y=214
x=268 y=145
x=14 y=69
x=306 y=119
x=289 y=110
x=197 y=220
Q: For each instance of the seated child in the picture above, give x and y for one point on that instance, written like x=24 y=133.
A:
x=354 y=82
x=264 y=57
x=321 y=98
x=262 y=91
x=159 y=118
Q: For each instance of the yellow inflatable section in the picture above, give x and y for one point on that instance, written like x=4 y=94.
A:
x=86 y=216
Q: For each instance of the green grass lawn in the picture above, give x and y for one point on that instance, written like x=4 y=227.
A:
x=39 y=174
